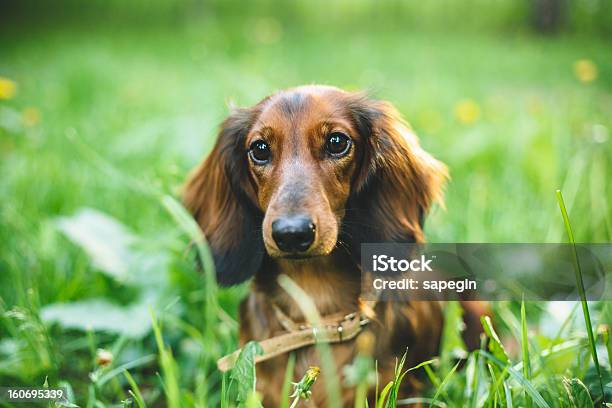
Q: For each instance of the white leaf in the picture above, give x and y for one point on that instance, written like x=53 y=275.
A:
x=101 y=315
x=104 y=239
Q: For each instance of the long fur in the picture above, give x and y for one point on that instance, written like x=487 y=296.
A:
x=398 y=183
x=392 y=189
x=216 y=195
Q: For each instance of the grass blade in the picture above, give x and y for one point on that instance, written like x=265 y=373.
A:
x=525 y=350
x=380 y=403
x=495 y=384
x=416 y=367
x=224 y=391
x=419 y=401
x=444 y=383
x=168 y=366
x=122 y=368
x=508 y=396
x=581 y=291
x=287 y=381
x=135 y=390
x=529 y=388
x=188 y=225
x=605 y=338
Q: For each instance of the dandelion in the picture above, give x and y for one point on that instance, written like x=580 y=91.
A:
x=8 y=88
x=301 y=389
x=467 y=111
x=585 y=70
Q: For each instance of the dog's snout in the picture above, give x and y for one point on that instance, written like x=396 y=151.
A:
x=293 y=234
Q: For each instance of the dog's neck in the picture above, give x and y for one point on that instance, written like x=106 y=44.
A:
x=333 y=282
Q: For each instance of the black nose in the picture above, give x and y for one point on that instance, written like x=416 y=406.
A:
x=293 y=234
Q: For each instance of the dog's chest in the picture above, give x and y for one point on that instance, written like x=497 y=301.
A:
x=260 y=322
x=271 y=374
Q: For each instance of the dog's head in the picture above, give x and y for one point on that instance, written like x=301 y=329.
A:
x=306 y=170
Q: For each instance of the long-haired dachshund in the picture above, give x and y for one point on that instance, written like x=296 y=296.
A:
x=294 y=185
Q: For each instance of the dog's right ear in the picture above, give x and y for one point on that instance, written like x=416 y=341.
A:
x=219 y=195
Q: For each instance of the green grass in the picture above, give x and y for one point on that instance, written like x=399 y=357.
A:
x=580 y=285
x=126 y=111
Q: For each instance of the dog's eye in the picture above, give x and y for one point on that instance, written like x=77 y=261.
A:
x=338 y=144
x=260 y=152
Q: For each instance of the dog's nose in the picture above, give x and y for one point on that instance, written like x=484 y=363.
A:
x=293 y=234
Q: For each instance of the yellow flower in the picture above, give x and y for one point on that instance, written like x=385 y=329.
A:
x=467 y=111
x=585 y=70
x=8 y=88
x=30 y=116
x=301 y=389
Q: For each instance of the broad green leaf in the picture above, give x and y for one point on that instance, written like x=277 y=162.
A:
x=243 y=372
x=105 y=240
x=114 y=249
x=253 y=400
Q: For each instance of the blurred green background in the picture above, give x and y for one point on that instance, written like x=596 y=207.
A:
x=105 y=107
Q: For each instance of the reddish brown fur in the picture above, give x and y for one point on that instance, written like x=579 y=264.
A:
x=379 y=192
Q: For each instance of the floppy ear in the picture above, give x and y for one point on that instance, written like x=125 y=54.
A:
x=398 y=180
x=217 y=194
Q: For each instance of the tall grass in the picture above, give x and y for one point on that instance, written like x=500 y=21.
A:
x=145 y=101
x=581 y=291
x=525 y=349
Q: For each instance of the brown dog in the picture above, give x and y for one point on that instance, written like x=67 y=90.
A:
x=293 y=186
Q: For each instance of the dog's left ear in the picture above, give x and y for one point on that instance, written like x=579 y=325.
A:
x=398 y=180
x=219 y=196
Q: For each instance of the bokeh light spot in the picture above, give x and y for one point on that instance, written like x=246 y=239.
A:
x=467 y=111
x=8 y=88
x=585 y=70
